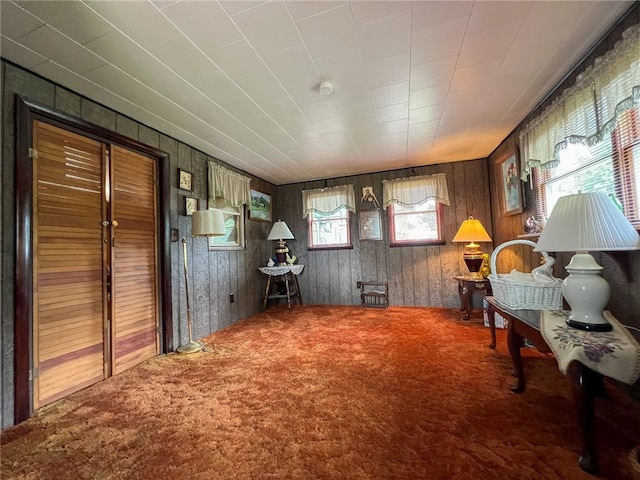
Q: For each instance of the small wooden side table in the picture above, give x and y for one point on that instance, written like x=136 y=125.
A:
x=467 y=284
x=289 y=276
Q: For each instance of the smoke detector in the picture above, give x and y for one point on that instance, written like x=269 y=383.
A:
x=326 y=88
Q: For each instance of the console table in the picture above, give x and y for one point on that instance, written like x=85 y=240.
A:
x=586 y=382
x=467 y=284
x=286 y=274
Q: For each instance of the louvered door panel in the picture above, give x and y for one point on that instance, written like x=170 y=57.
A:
x=68 y=263
x=134 y=295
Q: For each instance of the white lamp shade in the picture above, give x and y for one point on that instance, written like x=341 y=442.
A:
x=471 y=230
x=587 y=222
x=280 y=231
x=207 y=223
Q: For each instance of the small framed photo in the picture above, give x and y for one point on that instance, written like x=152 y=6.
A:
x=184 y=180
x=370 y=224
x=190 y=205
x=260 y=208
x=508 y=183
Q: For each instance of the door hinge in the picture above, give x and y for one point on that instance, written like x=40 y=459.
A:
x=34 y=374
x=33 y=153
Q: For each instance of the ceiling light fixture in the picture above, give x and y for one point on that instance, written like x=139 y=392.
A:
x=326 y=88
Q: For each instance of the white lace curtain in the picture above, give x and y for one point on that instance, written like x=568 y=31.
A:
x=328 y=200
x=231 y=186
x=415 y=190
x=589 y=111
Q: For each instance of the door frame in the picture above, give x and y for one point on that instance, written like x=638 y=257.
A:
x=26 y=112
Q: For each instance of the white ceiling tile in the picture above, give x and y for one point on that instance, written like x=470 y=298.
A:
x=319 y=110
x=292 y=65
x=390 y=94
x=217 y=86
x=486 y=45
x=337 y=21
x=15 y=21
x=66 y=78
x=141 y=21
x=351 y=93
x=262 y=89
x=239 y=60
x=20 y=55
x=392 y=112
x=464 y=98
x=198 y=20
x=426 y=97
x=395 y=41
x=75 y=19
x=122 y=105
x=235 y=6
x=329 y=125
x=394 y=138
x=365 y=12
x=342 y=68
x=432 y=74
x=394 y=127
x=425 y=114
x=492 y=16
x=339 y=137
x=179 y=54
x=358 y=112
x=309 y=8
x=268 y=27
x=388 y=71
x=430 y=13
x=423 y=128
x=441 y=40
x=475 y=76
x=67 y=52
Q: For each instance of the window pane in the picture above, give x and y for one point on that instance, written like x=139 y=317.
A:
x=234 y=230
x=329 y=230
x=416 y=226
x=429 y=205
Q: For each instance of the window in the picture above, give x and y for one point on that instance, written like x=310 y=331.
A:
x=233 y=239
x=328 y=215
x=588 y=138
x=415 y=224
x=414 y=208
x=329 y=230
x=611 y=166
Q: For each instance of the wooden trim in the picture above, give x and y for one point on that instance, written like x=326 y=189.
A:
x=26 y=112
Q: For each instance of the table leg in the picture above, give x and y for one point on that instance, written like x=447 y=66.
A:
x=286 y=282
x=460 y=294
x=298 y=294
x=266 y=293
x=585 y=383
x=466 y=294
x=491 y=316
x=514 y=341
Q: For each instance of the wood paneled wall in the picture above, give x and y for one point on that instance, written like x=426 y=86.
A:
x=213 y=275
x=417 y=276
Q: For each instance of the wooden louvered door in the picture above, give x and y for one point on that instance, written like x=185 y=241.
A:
x=134 y=292
x=68 y=276
x=95 y=301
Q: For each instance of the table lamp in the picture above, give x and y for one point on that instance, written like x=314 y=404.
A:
x=281 y=232
x=204 y=223
x=582 y=223
x=472 y=231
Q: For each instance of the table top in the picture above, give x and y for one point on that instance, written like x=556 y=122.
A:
x=530 y=317
x=276 y=271
x=470 y=278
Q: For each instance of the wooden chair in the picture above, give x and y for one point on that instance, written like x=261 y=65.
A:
x=374 y=294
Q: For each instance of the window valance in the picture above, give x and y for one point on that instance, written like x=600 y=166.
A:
x=415 y=190
x=588 y=111
x=233 y=187
x=328 y=200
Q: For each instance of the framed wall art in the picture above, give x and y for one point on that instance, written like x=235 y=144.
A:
x=370 y=225
x=184 y=180
x=260 y=208
x=190 y=205
x=508 y=183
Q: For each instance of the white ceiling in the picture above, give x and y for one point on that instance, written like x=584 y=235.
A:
x=415 y=83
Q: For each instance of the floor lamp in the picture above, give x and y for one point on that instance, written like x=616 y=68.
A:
x=204 y=223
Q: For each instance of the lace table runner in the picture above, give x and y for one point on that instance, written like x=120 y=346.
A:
x=615 y=354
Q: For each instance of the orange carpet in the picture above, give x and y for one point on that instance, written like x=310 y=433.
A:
x=326 y=393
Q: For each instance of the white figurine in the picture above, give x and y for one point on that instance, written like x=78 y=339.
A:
x=270 y=263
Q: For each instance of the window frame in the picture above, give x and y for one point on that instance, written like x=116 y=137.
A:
x=393 y=242
x=343 y=246
x=227 y=211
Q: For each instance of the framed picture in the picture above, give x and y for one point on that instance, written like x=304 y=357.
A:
x=190 y=205
x=508 y=183
x=184 y=180
x=260 y=208
x=370 y=224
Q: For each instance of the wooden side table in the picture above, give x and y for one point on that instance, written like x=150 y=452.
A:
x=289 y=277
x=467 y=284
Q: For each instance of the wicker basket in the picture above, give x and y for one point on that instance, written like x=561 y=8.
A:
x=524 y=295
